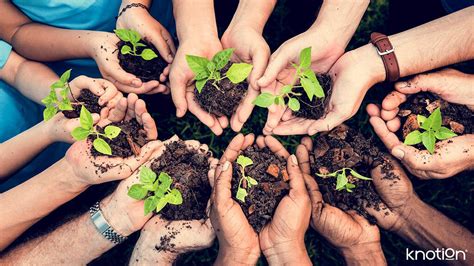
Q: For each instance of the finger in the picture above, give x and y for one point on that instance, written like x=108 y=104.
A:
x=414 y=158
x=423 y=82
x=150 y=126
x=373 y=110
x=205 y=117
x=316 y=198
x=163 y=48
x=109 y=92
x=169 y=40
x=131 y=102
x=178 y=92
x=287 y=115
x=118 y=113
x=296 y=176
x=275 y=113
x=393 y=100
x=259 y=61
x=248 y=141
x=133 y=162
x=116 y=74
x=83 y=82
x=276 y=147
x=160 y=89
x=260 y=142
x=394 y=124
x=212 y=170
x=388 y=138
x=388 y=115
x=331 y=121
x=223 y=121
x=144 y=88
x=278 y=61
x=232 y=151
x=115 y=100
x=244 y=110
x=295 y=126
x=308 y=143
x=223 y=182
x=303 y=158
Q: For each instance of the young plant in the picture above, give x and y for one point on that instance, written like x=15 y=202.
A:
x=307 y=81
x=243 y=162
x=157 y=191
x=87 y=128
x=53 y=104
x=342 y=182
x=209 y=70
x=133 y=38
x=432 y=131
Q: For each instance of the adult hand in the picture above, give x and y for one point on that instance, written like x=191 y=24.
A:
x=352 y=75
x=250 y=47
x=182 y=83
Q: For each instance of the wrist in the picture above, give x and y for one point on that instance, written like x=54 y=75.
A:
x=232 y=256
x=367 y=57
x=288 y=253
x=364 y=254
x=47 y=131
x=68 y=180
x=116 y=217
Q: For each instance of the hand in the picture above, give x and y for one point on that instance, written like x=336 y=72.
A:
x=182 y=84
x=352 y=75
x=103 y=49
x=349 y=232
x=250 y=47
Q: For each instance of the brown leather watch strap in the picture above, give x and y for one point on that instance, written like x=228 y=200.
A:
x=387 y=53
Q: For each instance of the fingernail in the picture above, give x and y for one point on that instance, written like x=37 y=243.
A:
x=225 y=166
x=403 y=84
x=398 y=153
x=170 y=57
x=294 y=159
x=179 y=112
x=136 y=82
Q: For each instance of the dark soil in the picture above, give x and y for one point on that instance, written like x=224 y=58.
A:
x=222 y=101
x=89 y=100
x=270 y=172
x=344 y=147
x=189 y=169
x=143 y=69
x=456 y=117
x=127 y=143
x=316 y=108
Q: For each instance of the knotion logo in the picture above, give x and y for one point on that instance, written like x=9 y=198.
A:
x=448 y=254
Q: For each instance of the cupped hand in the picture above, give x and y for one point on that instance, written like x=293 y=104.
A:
x=250 y=47
x=450 y=157
x=182 y=83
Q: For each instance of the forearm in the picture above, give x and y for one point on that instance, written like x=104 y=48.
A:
x=252 y=14
x=76 y=242
x=24 y=205
x=369 y=254
x=195 y=20
x=429 y=229
x=19 y=150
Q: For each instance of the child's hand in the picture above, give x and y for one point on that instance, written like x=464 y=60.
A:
x=108 y=94
x=59 y=128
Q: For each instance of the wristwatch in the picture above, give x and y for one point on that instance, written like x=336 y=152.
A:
x=103 y=227
x=387 y=53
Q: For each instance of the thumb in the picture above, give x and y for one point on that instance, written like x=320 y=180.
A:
x=145 y=153
x=278 y=61
x=414 y=158
x=331 y=121
x=296 y=177
x=259 y=60
x=178 y=93
x=423 y=82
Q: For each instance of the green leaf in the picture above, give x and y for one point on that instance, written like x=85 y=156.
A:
x=201 y=76
x=65 y=76
x=286 y=89
x=308 y=87
x=123 y=34
x=134 y=36
x=197 y=64
x=239 y=72
x=444 y=133
x=112 y=131
x=421 y=119
x=294 y=104
x=165 y=181
x=125 y=49
x=86 y=118
x=211 y=67
x=305 y=58
x=139 y=44
x=241 y=194
x=148 y=54
x=318 y=89
x=58 y=85
x=341 y=181
x=174 y=197
x=264 y=100
x=80 y=133
x=251 y=181
x=244 y=161
x=278 y=100
x=151 y=203
x=350 y=186
x=359 y=176
x=147 y=176
x=413 y=138
x=428 y=138
x=222 y=58
x=137 y=192
x=200 y=84
x=101 y=146
x=65 y=106
x=161 y=203
x=309 y=73
x=49 y=112
x=436 y=119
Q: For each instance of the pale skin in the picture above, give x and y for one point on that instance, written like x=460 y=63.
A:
x=282 y=240
x=70 y=176
x=431 y=45
x=451 y=156
x=46 y=43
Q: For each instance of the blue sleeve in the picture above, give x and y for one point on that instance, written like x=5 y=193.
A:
x=5 y=50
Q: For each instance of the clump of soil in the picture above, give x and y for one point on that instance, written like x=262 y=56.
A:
x=317 y=107
x=143 y=69
x=222 y=101
x=344 y=147
x=90 y=102
x=189 y=169
x=262 y=200
x=456 y=117
x=127 y=143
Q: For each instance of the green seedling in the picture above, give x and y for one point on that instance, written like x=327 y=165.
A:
x=87 y=128
x=52 y=103
x=433 y=130
x=307 y=80
x=243 y=162
x=342 y=183
x=157 y=191
x=209 y=70
x=133 y=38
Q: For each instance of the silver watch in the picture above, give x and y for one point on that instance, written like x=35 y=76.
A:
x=103 y=227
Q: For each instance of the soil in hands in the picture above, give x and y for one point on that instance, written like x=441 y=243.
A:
x=344 y=147
x=143 y=69
x=315 y=109
x=189 y=170
x=262 y=200
x=127 y=143
x=222 y=101
x=456 y=117
x=86 y=98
